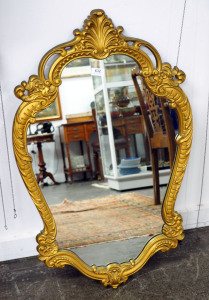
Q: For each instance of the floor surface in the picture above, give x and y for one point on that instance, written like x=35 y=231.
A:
x=101 y=253
x=180 y=274
x=84 y=190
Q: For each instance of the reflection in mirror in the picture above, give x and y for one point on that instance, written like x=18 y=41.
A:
x=116 y=146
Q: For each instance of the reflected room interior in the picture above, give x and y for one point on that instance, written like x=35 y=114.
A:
x=103 y=154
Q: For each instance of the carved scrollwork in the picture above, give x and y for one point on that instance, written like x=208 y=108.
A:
x=98 y=39
x=100 y=35
x=114 y=273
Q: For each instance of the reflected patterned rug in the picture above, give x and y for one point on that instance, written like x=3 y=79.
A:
x=105 y=219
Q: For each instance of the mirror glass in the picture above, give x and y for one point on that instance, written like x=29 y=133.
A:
x=119 y=138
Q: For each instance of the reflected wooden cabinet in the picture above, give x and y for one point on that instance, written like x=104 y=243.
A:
x=134 y=125
x=76 y=131
x=120 y=123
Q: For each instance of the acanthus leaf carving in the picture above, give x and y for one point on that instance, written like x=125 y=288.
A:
x=98 y=39
x=99 y=34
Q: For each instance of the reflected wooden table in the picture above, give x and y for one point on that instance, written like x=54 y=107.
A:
x=78 y=131
x=38 y=139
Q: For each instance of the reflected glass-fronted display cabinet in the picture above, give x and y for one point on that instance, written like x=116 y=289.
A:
x=121 y=129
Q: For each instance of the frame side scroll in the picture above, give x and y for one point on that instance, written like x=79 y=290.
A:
x=99 y=39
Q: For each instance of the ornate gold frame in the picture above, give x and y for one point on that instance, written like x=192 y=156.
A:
x=99 y=39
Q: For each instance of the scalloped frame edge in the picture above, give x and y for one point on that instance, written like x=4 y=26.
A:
x=99 y=39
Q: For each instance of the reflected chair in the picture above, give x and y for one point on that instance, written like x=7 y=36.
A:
x=120 y=140
x=158 y=124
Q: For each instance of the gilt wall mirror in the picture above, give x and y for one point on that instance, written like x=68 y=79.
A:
x=101 y=43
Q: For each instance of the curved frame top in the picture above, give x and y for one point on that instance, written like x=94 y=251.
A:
x=99 y=39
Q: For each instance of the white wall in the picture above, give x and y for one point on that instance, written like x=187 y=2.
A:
x=76 y=95
x=30 y=28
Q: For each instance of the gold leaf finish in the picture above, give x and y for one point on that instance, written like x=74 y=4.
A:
x=99 y=34
x=98 y=39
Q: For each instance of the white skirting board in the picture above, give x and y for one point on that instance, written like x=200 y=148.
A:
x=195 y=217
x=19 y=247
x=203 y=216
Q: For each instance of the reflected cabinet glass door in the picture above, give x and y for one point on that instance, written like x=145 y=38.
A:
x=123 y=136
x=111 y=80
